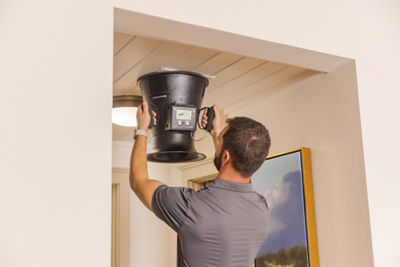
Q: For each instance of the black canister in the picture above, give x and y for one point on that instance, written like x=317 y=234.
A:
x=162 y=90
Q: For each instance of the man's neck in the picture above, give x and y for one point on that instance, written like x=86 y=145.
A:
x=232 y=175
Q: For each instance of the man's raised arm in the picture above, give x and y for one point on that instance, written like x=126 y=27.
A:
x=138 y=174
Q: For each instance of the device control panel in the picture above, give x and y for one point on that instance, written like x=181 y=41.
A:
x=183 y=118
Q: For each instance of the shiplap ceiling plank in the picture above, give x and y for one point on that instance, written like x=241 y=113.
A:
x=192 y=58
x=272 y=80
x=217 y=63
x=234 y=71
x=120 y=40
x=272 y=89
x=163 y=55
x=246 y=80
x=131 y=54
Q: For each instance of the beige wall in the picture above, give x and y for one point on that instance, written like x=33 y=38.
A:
x=55 y=137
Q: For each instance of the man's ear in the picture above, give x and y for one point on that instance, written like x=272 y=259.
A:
x=226 y=157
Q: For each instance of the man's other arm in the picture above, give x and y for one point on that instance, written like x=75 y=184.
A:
x=140 y=183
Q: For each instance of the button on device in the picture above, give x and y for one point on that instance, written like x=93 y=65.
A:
x=179 y=122
x=187 y=123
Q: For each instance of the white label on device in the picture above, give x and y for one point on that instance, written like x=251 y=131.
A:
x=183 y=114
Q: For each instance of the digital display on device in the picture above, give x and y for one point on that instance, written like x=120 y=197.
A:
x=183 y=114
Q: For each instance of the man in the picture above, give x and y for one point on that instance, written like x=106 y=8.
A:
x=225 y=224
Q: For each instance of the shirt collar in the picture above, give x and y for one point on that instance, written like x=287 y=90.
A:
x=228 y=185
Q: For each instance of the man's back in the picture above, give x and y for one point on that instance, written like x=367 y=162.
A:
x=222 y=225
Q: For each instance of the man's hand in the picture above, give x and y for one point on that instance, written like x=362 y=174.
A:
x=143 y=117
x=217 y=127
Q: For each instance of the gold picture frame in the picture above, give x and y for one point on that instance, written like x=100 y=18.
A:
x=307 y=194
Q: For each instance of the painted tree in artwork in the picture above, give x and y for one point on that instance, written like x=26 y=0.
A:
x=294 y=257
x=282 y=257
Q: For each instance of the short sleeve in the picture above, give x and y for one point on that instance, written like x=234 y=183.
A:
x=170 y=204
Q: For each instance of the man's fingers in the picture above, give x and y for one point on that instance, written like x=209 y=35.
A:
x=154 y=114
x=204 y=115
x=204 y=119
x=215 y=110
x=139 y=110
x=145 y=106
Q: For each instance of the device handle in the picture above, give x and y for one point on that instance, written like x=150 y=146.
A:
x=210 y=119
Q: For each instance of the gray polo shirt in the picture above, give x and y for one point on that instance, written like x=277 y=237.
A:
x=223 y=225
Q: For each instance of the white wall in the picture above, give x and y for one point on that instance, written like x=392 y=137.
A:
x=367 y=31
x=120 y=177
x=55 y=137
x=152 y=242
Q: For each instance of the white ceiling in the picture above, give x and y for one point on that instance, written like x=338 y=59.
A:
x=238 y=79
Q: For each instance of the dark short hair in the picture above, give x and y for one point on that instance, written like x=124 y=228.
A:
x=248 y=142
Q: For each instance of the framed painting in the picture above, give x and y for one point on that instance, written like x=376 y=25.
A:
x=285 y=181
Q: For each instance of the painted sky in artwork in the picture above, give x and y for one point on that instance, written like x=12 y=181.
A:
x=279 y=180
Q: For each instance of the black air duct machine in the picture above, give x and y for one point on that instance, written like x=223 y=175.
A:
x=176 y=97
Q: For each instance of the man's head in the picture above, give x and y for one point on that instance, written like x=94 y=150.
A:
x=247 y=142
